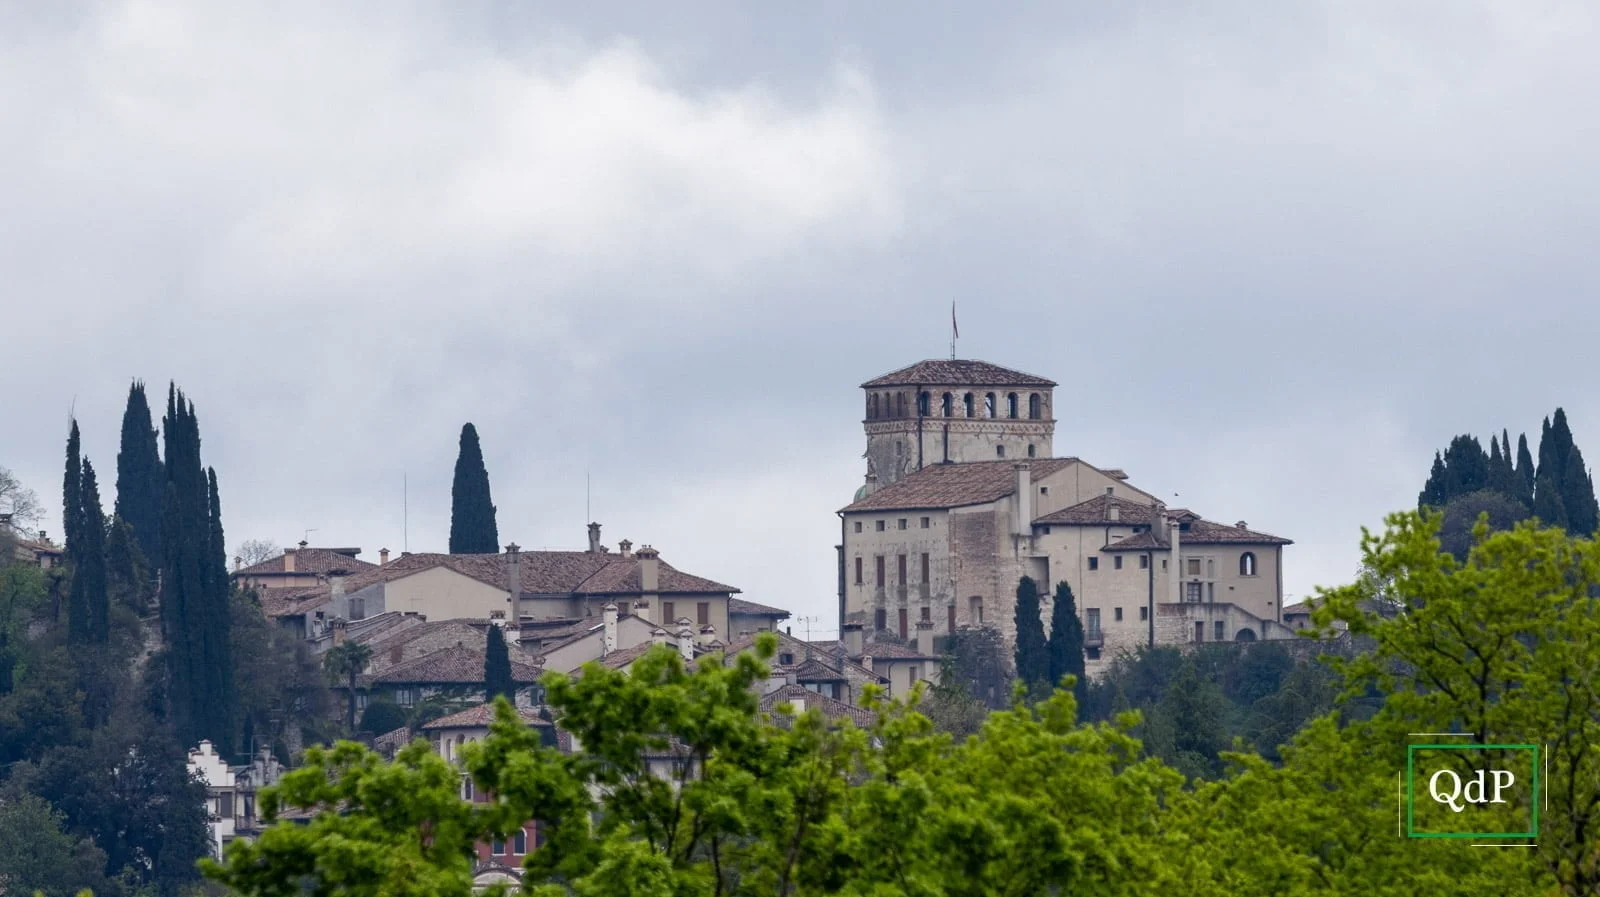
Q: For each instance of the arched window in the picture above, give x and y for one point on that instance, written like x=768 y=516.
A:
x=872 y=406
x=923 y=401
x=949 y=405
x=988 y=406
x=1030 y=450
x=1011 y=405
x=1247 y=564
x=899 y=404
x=1033 y=406
x=966 y=404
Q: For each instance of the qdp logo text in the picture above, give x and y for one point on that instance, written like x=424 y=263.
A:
x=1472 y=791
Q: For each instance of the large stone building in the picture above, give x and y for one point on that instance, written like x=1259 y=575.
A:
x=964 y=496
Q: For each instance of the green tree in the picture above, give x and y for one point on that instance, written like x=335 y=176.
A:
x=497 y=676
x=980 y=662
x=280 y=685
x=383 y=717
x=1031 y=652
x=344 y=663
x=1066 y=640
x=72 y=493
x=472 y=511
x=127 y=569
x=36 y=856
x=141 y=482
x=1525 y=472
x=1461 y=515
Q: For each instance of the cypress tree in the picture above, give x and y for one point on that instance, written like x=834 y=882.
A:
x=497 y=677
x=1577 y=496
x=1066 y=640
x=141 y=483
x=1433 y=491
x=1032 y=656
x=1547 y=503
x=219 y=653
x=1524 y=471
x=472 y=524
x=90 y=574
x=72 y=492
x=127 y=570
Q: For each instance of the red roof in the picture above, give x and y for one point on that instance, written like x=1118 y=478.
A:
x=955 y=485
x=954 y=372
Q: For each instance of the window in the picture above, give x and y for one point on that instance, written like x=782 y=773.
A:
x=1108 y=490
x=1116 y=562
x=999 y=451
x=988 y=405
x=858 y=526
x=1047 y=530
x=786 y=659
x=498 y=848
x=358 y=608
x=948 y=407
x=927 y=522
x=899 y=448
x=915 y=674
x=925 y=577
x=903 y=622
x=872 y=406
x=1247 y=564
x=668 y=612
x=702 y=612
x=900 y=569
x=1194 y=566
x=966 y=404
x=899 y=407
x=922 y=405
x=882 y=525
x=880 y=619
x=1091 y=653
x=1144 y=614
x=858 y=571
x=1092 y=622
x=950 y=617
x=975 y=609
x=1144 y=561
x=466 y=788
x=1193 y=591
x=1011 y=405
x=1211 y=591
x=902 y=523
x=1116 y=614
x=927 y=614
x=1094 y=563
x=519 y=842
x=1211 y=569
x=1218 y=630
x=1043 y=490
x=405 y=697
x=879 y=563
x=1033 y=407
x=1030 y=450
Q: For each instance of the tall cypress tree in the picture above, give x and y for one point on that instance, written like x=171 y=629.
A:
x=72 y=492
x=1032 y=656
x=497 y=677
x=90 y=574
x=472 y=525
x=1066 y=640
x=1433 y=491
x=194 y=596
x=141 y=483
x=1525 y=474
x=1577 y=495
x=1547 y=503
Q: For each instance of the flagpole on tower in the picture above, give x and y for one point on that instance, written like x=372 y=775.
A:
x=954 y=331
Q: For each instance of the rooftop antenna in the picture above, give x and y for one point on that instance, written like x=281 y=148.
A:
x=808 y=621
x=307 y=536
x=405 y=515
x=955 y=332
x=588 y=513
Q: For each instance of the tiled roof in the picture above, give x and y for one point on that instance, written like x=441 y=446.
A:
x=741 y=606
x=1300 y=607
x=390 y=742
x=309 y=561
x=621 y=577
x=830 y=709
x=890 y=651
x=291 y=601
x=616 y=660
x=1200 y=532
x=814 y=670
x=953 y=372
x=458 y=665
x=1096 y=511
x=955 y=485
x=480 y=717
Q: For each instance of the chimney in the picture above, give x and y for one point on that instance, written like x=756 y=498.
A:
x=649 y=569
x=336 y=592
x=1240 y=524
x=866 y=662
x=288 y=560
x=708 y=634
x=1114 y=514
x=514 y=573
x=1175 y=552
x=872 y=483
x=44 y=537
x=659 y=636
x=238 y=563
x=925 y=638
x=686 y=639
x=1024 y=500
x=383 y=556
x=609 y=639
x=594 y=538
x=337 y=626
x=303 y=543
x=851 y=636
x=625 y=548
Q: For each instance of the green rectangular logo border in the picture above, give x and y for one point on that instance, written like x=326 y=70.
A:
x=1411 y=790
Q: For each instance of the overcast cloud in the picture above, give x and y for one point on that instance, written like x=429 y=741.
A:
x=1275 y=253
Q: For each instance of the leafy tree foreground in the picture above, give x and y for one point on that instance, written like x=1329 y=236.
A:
x=1502 y=644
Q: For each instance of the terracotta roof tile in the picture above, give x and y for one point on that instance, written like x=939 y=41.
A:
x=1097 y=512
x=891 y=651
x=955 y=485
x=616 y=660
x=458 y=665
x=741 y=606
x=309 y=561
x=953 y=372
x=480 y=717
x=831 y=709
x=1299 y=607
x=290 y=601
x=814 y=670
x=1200 y=532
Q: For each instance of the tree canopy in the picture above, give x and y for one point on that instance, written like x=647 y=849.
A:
x=472 y=522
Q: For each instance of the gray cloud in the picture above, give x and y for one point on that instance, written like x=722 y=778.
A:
x=1276 y=254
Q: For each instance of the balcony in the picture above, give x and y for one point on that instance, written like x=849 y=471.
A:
x=1093 y=637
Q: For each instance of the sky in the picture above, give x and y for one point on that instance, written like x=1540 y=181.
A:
x=1276 y=254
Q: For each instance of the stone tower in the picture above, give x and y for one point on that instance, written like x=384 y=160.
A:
x=953 y=411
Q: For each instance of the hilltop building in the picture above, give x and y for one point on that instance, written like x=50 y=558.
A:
x=964 y=496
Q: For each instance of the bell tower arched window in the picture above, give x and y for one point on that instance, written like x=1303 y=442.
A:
x=988 y=406
x=1033 y=406
x=966 y=404
x=949 y=405
x=1011 y=405
x=923 y=400
x=1247 y=564
x=872 y=406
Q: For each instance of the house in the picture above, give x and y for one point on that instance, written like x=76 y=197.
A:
x=300 y=567
x=797 y=699
x=454 y=673
x=964 y=496
x=38 y=552
x=221 y=786
x=745 y=617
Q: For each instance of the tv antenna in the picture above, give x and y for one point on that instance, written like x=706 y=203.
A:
x=808 y=621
